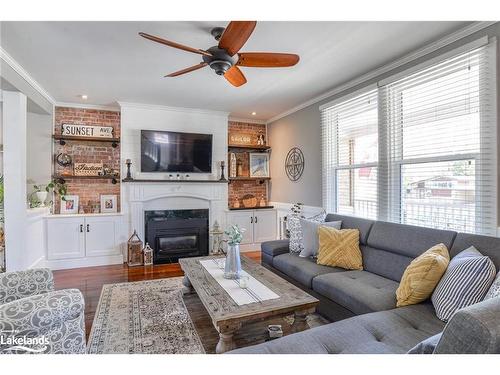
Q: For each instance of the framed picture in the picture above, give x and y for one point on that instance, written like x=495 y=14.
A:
x=109 y=204
x=259 y=164
x=70 y=204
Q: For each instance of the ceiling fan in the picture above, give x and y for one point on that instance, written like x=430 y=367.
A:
x=225 y=57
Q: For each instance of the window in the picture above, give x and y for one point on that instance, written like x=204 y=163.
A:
x=421 y=150
x=350 y=156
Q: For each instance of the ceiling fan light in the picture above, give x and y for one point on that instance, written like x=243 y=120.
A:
x=220 y=66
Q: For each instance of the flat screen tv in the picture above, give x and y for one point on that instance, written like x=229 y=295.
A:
x=163 y=151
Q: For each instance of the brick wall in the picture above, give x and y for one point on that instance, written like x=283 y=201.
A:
x=237 y=189
x=88 y=190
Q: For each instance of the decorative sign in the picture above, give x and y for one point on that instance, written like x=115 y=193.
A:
x=87 y=130
x=240 y=139
x=294 y=164
x=88 y=169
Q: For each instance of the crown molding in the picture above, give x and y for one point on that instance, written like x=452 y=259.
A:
x=23 y=73
x=115 y=108
x=247 y=120
x=421 y=52
x=157 y=107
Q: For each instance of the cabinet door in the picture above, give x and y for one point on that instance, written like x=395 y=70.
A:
x=65 y=238
x=265 y=225
x=244 y=219
x=101 y=237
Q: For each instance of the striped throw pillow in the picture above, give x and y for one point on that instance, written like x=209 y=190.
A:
x=465 y=282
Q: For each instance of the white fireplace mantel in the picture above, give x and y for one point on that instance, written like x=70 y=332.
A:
x=161 y=195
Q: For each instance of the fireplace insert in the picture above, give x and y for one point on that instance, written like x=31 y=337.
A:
x=175 y=234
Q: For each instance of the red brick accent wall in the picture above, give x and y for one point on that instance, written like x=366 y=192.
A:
x=237 y=189
x=88 y=190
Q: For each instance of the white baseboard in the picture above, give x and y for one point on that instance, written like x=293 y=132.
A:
x=64 y=264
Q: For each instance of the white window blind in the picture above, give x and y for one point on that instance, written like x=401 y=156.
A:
x=439 y=146
x=420 y=150
x=350 y=155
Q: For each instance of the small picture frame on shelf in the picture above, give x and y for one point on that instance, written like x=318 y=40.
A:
x=70 y=204
x=259 y=164
x=109 y=203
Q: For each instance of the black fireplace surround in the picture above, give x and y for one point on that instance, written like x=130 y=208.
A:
x=174 y=234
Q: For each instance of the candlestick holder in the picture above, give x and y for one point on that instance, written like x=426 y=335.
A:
x=222 y=177
x=129 y=176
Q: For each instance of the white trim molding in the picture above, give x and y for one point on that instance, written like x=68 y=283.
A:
x=246 y=120
x=158 y=107
x=114 y=108
x=440 y=43
x=10 y=61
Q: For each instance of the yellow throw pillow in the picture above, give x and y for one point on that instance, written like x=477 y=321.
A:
x=422 y=275
x=339 y=248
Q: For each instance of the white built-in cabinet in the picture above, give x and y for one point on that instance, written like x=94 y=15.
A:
x=81 y=240
x=260 y=225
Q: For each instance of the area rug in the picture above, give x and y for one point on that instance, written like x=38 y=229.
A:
x=143 y=317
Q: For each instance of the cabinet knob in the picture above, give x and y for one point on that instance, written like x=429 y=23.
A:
x=255 y=219
x=81 y=228
x=251 y=219
x=88 y=228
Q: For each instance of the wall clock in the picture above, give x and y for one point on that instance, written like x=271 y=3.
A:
x=294 y=164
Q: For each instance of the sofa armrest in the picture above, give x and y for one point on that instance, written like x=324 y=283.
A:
x=56 y=316
x=274 y=248
x=16 y=285
x=473 y=330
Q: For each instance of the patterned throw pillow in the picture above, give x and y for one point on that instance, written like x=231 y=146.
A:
x=494 y=290
x=339 y=248
x=295 y=230
x=422 y=275
x=465 y=282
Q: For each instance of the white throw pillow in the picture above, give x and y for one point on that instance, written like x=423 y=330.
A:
x=494 y=290
x=310 y=237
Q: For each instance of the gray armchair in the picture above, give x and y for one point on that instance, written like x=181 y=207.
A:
x=36 y=319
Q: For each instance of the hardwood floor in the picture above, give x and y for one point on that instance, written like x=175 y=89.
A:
x=90 y=280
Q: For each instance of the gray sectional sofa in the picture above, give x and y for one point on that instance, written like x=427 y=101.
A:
x=362 y=304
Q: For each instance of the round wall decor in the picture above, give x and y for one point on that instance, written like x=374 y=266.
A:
x=294 y=164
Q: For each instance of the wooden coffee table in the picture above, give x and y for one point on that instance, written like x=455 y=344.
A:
x=228 y=317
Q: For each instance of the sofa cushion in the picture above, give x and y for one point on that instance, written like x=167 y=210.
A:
x=274 y=248
x=358 y=291
x=426 y=346
x=489 y=246
x=351 y=222
x=301 y=269
x=339 y=248
x=391 y=247
x=473 y=330
x=393 y=331
x=466 y=281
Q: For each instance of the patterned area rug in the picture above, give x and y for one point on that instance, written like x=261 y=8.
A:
x=143 y=317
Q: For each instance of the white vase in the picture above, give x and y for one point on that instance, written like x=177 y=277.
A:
x=42 y=197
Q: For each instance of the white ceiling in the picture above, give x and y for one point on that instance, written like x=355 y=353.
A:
x=109 y=62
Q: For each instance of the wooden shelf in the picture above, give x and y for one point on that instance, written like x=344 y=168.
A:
x=260 y=179
x=250 y=208
x=250 y=147
x=114 y=179
x=175 y=181
x=63 y=138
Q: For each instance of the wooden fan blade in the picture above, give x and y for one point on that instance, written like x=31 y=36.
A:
x=267 y=60
x=187 y=70
x=235 y=35
x=174 y=44
x=235 y=77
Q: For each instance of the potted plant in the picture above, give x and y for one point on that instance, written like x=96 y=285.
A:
x=232 y=267
x=58 y=186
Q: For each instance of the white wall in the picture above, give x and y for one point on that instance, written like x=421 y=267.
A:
x=14 y=137
x=39 y=149
x=137 y=117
